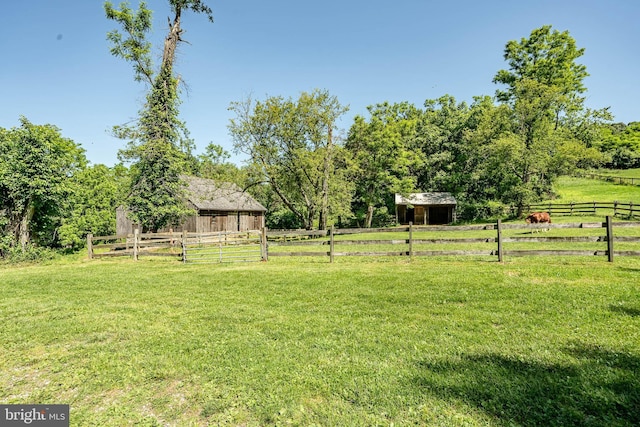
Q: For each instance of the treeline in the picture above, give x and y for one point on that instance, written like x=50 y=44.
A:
x=493 y=154
x=621 y=144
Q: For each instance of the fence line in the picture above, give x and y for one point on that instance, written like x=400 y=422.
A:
x=498 y=240
x=617 y=209
x=624 y=180
x=190 y=247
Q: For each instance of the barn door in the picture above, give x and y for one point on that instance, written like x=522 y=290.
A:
x=419 y=215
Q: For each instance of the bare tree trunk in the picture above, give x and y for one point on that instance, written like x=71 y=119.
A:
x=369 y=218
x=172 y=40
x=23 y=229
x=324 y=208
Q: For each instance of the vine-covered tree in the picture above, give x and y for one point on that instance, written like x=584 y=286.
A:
x=158 y=143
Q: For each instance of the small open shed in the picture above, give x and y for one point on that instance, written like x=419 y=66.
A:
x=220 y=207
x=425 y=208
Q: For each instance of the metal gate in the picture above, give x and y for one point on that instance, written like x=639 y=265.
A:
x=201 y=248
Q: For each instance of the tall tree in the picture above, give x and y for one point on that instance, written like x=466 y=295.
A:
x=293 y=143
x=384 y=156
x=158 y=144
x=441 y=138
x=548 y=57
x=544 y=87
x=36 y=164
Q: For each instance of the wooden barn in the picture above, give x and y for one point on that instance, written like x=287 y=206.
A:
x=220 y=207
x=426 y=208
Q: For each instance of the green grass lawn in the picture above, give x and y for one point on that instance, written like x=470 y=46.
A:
x=572 y=189
x=627 y=173
x=442 y=342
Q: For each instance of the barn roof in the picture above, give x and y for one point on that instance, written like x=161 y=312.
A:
x=207 y=194
x=431 y=199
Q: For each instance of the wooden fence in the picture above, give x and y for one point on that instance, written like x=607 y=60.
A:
x=624 y=180
x=496 y=240
x=135 y=245
x=499 y=240
x=189 y=247
x=617 y=209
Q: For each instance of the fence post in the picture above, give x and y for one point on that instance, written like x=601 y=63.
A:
x=90 y=245
x=264 y=248
x=630 y=210
x=594 y=208
x=220 y=243
x=571 y=213
x=184 y=245
x=331 y=245
x=410 y=241
x=615 y=208
x=500 y=250
x=610 y=238
x=135 y=244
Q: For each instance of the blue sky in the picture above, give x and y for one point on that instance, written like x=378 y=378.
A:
x=57 y=68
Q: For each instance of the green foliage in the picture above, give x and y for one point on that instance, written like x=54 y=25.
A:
x=136 y=48
x=293 y=146
x=36 y=164
x=622 y=144
x=385 y=160
x=158 y=143
x=547 y=58
x=214 y=164
x=29 y=254
x=550 y=127
x=157 y=195
x=97 y=192
x=283 y=219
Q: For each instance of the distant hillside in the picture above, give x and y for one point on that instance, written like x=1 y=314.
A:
x=572 y=189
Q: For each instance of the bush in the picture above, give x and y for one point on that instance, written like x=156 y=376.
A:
x=13 y=254
x=283 y=219
x=476 y=211
x=624 y=158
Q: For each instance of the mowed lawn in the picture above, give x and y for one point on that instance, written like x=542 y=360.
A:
x=436 y=342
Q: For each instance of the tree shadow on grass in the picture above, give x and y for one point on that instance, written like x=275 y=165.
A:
x=602 y=387
x=623 y=309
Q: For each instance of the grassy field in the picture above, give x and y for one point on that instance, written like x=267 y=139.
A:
x=628 y=173
x=447 y=341
x=444 y=342
x=572 y=189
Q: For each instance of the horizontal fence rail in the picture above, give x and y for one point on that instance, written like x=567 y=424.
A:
x=189 y=247
x=221 y=247
x=496 y=240
x=617 y=209
x=624 y=180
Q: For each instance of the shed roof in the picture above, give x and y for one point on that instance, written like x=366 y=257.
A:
x=431 y=199
x=207 y=194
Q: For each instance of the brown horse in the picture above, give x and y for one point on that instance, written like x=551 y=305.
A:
x=538 y=218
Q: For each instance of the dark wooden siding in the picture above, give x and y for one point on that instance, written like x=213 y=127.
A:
x=205 y=222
